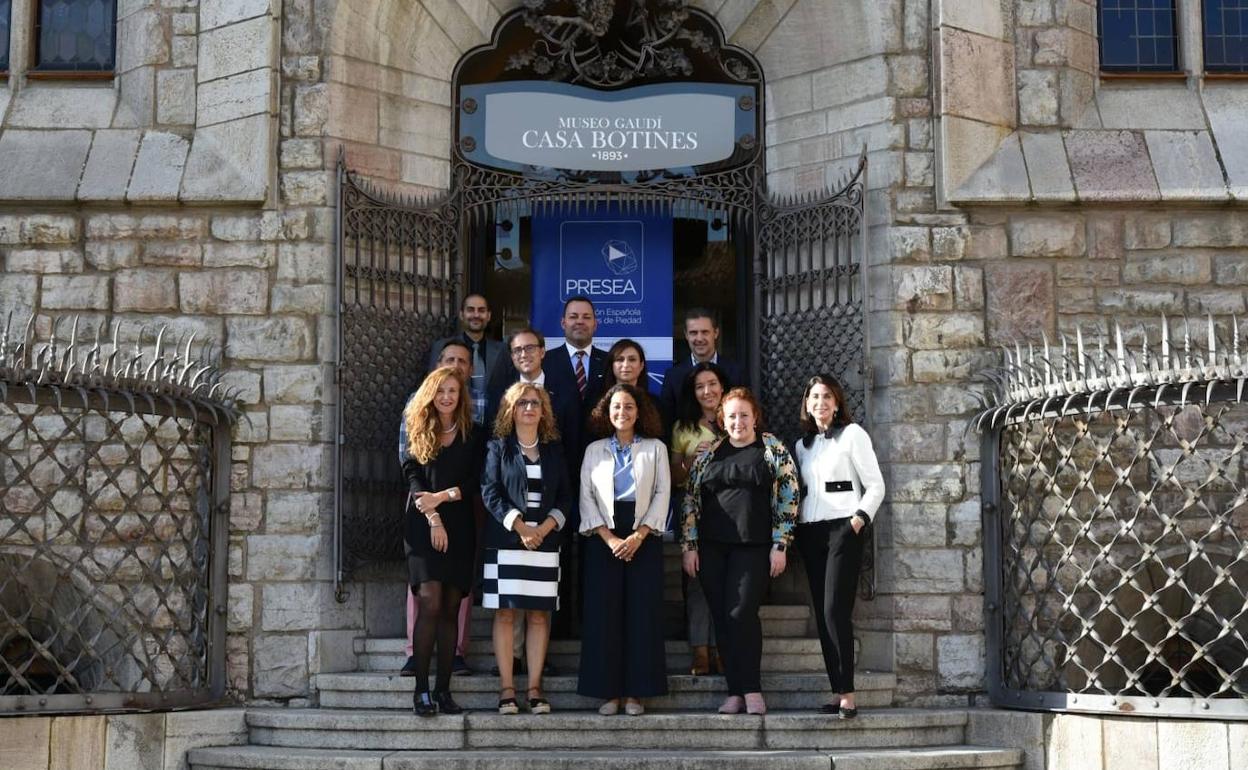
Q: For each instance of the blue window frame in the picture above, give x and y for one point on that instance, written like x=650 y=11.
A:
x=1226 y=35
x=6 y=10
x=1138 y=36
x=76 y=35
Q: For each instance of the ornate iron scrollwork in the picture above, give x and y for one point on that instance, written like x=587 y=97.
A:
x=614 y=43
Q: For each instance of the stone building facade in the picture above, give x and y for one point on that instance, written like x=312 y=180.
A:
x=1012 y=193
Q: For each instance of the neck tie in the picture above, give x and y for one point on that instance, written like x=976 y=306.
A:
x=478 y=360
x=580 y=372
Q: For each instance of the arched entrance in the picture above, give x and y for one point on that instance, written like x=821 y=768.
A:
x=793 y=268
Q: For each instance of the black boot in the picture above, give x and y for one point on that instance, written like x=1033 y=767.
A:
x=446 y=704
x=423 y=705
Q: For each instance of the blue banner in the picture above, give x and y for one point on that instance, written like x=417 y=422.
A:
x=623 y=264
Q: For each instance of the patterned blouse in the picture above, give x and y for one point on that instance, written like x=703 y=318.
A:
x=784 y=494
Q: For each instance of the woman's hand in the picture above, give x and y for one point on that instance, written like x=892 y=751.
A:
x=857 y=523
x=625 y=549
x=689 y=560
x=530 y=538
x=427 y=502
x=702 y=447
x=779 y=560
x=437 y=535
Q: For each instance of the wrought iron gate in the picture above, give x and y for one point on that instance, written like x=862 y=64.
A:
x=1116 y=552
x=399 y=280
x=114 y=523
x=810 y=284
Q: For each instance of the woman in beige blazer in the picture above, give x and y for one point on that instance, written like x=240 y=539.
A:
x=625 y=489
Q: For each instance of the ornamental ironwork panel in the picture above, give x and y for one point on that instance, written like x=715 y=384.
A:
x=114 y=518
x=810 y=289
x=1116 y=516
x=398 y=291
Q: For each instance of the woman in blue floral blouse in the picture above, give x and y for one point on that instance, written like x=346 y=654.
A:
x=740 y=506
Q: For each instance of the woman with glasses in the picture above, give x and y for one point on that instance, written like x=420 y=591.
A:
x=696 y=430
x=842 y=489
x=740 y=505
x=625 y=490
x=527 y=492
x=442 y=472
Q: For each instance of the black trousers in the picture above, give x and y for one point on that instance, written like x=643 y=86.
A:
x=622 y=652
x=833 y=557
x=734 y=578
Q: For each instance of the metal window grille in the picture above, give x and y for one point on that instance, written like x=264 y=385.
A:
x=6 y=14
x=114 y=505
x=1138 y=35
x=1226 y=35
x=1116 y=529
x=76 y=35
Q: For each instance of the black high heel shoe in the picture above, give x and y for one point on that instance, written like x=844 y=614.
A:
x=423 y=705
x=446 y=704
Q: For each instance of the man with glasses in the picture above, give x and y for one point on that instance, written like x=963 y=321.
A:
x=528 y=352
x=484 y=354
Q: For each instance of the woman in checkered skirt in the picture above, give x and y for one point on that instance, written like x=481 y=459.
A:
x=526 y=489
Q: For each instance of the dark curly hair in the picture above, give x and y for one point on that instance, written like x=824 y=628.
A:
x=689 y=411
x=649 y=424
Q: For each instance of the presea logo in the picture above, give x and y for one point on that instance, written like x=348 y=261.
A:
x=620 y=257
x=603 y=260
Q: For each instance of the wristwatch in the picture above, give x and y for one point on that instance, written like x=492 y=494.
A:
x=781 y=547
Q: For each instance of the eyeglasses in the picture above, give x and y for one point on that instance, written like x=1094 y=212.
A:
x=528 y=403
x=525 y=350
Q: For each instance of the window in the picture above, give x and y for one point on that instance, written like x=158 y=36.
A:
x=1226 y=35
x=6 y=9
x=75 y=35
x=1138 y=36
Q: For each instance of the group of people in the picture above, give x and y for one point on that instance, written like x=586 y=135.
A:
x=566 y=464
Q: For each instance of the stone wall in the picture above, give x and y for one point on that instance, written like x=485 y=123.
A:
x=116 y=742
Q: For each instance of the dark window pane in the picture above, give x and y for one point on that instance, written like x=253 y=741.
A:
x=1226 y=35
x=1138 y=36
x=77 y=35
x=6 y=9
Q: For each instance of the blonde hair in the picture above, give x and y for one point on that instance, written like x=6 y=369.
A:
x=421 y=416
x=505 y=423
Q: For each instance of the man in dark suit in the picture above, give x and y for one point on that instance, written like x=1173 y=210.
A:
x=702 y=334
x=485 y=354
x=577 y=363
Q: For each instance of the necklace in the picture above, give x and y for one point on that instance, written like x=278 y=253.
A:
x=451 y=429
x=524 y=445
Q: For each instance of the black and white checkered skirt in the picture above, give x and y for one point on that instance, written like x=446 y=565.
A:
x=520 y=579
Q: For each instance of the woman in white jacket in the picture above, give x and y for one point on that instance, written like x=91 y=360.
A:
x=842 y=489
x=625 y=488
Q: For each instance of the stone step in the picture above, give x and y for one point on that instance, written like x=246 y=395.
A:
x=480 y=691
x=922 y=758
x=378 y=730
x=779 y=620
x=780 y=654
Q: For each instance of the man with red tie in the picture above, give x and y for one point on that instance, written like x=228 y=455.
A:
x=578 y=365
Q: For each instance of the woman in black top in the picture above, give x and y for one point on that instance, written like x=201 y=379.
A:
x=739 y=508
x=441 y=471
x=526 y=490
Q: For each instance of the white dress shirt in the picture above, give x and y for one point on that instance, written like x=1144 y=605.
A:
x=848 y=456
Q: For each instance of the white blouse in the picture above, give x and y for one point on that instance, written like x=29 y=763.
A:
x=827 y=464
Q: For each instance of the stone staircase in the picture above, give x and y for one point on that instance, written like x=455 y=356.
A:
x=364 y=721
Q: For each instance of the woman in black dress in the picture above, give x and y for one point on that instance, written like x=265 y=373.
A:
x=442 y=471
x=526 y=491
